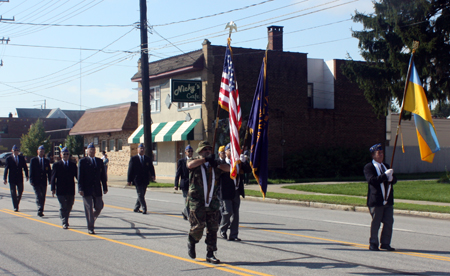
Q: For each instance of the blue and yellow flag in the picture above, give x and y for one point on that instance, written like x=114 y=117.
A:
x=416 y=102
x=258 y=124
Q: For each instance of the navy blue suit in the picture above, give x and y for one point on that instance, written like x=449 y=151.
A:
x=15 y=177
x=63 y=184
x=91 y=179
x=39 y=177
x=140 y=173
x=183 y=172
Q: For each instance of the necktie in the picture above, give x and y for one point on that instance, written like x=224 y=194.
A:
x=93 y=162
x=66 y=164
x=142 y=159
x=41 y=163
x=15 y=159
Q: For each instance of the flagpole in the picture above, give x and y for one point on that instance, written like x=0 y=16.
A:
x=415 y=46
x=230 y=26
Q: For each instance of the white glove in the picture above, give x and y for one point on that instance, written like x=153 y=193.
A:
x=390 y=178
x=243 y=158
x=389 y=173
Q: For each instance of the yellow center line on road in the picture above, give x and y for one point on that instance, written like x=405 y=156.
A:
x=222 y=267
x=409 y=253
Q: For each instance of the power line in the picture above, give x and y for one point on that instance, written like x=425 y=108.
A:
x=212 y=15
x=67 y=25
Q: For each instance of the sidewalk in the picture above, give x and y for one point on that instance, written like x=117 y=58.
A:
x=121 y=182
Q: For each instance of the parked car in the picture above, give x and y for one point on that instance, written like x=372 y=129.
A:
x=3 y=157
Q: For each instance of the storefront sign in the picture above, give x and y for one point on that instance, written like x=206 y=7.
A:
x=188 y=91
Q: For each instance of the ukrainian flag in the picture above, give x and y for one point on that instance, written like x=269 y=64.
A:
x=416 y=102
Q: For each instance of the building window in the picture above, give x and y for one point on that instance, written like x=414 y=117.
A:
x=155 y=154
x=86 y=141
x=95 y=140
x=187 y=105
x=103 y=145
x=155 y=99
x=310 y=95
x=119 y=144
x=112 y=144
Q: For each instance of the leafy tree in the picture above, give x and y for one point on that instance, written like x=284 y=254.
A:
x=35 y=137
x=442 y=109
x=385 y=43
x=74 y=144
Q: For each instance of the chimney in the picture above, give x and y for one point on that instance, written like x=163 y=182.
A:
x=275 y=35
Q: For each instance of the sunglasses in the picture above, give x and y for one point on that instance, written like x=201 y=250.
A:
x=66 y=153
x=190 y=151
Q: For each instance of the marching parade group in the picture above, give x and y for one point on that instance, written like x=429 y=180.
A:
x=212 y=196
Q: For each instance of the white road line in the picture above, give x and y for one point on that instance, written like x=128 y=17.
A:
x=364 y=225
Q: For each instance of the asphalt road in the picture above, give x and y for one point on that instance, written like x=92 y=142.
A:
x=276 y=240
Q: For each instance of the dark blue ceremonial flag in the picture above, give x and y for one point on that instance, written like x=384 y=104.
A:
x=258 y=124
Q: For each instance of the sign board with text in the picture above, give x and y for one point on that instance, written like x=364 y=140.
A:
x=188 y=91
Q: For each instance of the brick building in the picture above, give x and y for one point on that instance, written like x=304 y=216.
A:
x=12 y=129
x=311 y=103
x=109 y=127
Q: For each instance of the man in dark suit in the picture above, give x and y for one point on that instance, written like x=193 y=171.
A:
x=91 y=179
x=40 y=173
x=183 y=172
x=229 y=194
x=63 y=184
x=380 y=198
x=140 y=171
x=14 y=165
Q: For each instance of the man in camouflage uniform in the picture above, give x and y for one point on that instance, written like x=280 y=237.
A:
x=203 y=212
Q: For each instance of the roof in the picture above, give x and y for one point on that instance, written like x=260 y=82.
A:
x=112 y=118
x=74 y=115
x=191 y=60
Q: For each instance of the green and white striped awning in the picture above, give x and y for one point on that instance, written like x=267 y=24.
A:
x=165 y=132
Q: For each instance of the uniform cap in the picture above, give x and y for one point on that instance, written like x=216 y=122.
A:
x=15 y=147
x=65 y=149
x=376 y=147
x=91 y=146
x=227 y=147
x=141 y=145
x=221 y=148
x=202 y=145
x=188 y=147
x=41 y=147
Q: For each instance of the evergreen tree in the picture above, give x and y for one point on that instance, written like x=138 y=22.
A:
x=442 y=109
x=35 y=137
x=74 y=144
x=385 y=43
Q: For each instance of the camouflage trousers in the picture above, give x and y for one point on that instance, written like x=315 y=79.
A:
x=199 y=218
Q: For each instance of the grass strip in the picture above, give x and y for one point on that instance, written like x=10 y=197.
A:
x=160 y=185
x=346 y=200
x=424 y=190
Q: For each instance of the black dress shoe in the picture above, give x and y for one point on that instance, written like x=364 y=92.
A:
x=210 y=258
x=373 y=247
x=387 y=247
x=65 y=226
x=235 y=239
x=91 y=232
x=40 y=214
x=191 y=250
x=137 y=211
x=184 y=216
x=145 y=212
x=16 y=210
x=224 y=235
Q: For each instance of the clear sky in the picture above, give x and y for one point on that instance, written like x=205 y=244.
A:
x=73 y=67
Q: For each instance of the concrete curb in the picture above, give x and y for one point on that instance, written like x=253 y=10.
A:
x=308 y=204
x=344 y=207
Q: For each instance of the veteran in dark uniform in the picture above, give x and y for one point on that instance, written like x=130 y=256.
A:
x=183 y=173
x=203 y=206
x=140 y=171
x=40 y=174
x=63 y=185
x=91 y=180
x=14 y=165
x=380 y=199
x=230 y=195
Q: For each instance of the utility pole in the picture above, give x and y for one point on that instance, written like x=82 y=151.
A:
x=145 y=82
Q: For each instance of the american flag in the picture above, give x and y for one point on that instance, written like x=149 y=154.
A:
x=229 y=100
